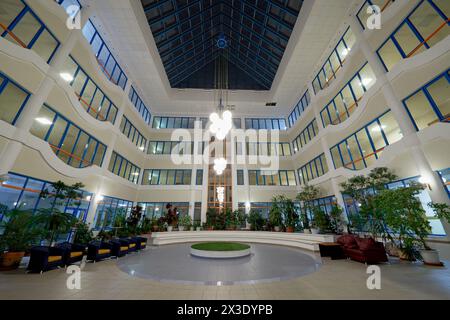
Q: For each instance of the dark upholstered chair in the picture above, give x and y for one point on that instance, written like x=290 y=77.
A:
x=119 y=247
x=99 y=250
x=141 y=243
x=72 y=252
x=365 y=250
x=43 y=258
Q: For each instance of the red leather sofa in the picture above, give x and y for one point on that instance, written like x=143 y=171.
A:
x=365 y=250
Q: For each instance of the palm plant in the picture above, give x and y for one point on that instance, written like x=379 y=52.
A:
x=306 y=196
x=20 y=230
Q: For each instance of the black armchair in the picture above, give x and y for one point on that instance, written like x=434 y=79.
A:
x=99 y=250
x=134 y=244
x=44 y=258
x=72 y=252
x=141 y=243
x=119 y=247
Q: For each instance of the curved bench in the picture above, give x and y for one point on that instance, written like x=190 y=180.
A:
x=298 y=240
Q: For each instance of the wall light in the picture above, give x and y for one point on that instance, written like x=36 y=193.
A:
x=44 y=121
x=425 y=181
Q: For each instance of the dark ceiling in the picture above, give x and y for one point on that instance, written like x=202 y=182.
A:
x=186 y=34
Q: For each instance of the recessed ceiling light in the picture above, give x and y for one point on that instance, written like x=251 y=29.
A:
x=44 y=121
x=66 y=76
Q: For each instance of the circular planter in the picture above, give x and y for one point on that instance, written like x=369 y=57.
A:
x=207 y=250
x=431 y=257
x=180 y=228
x=277 y=228
x=290 y=229
x=315 y=231
x=169 y=228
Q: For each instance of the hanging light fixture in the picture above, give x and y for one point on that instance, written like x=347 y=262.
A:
x=220 y=165
x=221 y=121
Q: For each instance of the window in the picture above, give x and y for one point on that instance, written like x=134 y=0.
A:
x=426 y=25
x=174 y=123
x=299 y=108
x=346 y=101
x=313 y=169
x=135 y=136
x=362 y=14
x=173 y=147
x=20 y=25
x=91 y=97
x=24 y=192
x=167 y=177
x=272 y=178
x=240 y=177
x=305 y=136
x=158 y=209
x=266 y=148
x=199 y=177
x=140 y=106
x=71 y=144
x=268 y=124
x=334 y=62
x=108 y=209
x=431 y=103
x=362 y=148
x=105 y=59
x=12 y=100
x=124 y=168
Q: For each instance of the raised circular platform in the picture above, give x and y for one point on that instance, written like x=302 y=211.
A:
x=175 y=264
x=220 y=250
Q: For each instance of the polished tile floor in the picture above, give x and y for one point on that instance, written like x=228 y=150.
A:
x=338 y=279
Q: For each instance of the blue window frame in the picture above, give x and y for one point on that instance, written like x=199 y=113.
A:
x=266 y=148
x=105 y=58
x=362 y=14
x=427 y=24
x=240 y=177
x=315 y=168
x=108 y=209
x=199 y=177
x=429 y=104
x=272 y=178
x=445 y=176
x=299 y=108
x=305 y=136
x=124 y=168
x=345 y=102
x=364 y=147
x=334 y=62
x=69 y=142
x=158 y=209
x=265 y=123
x=176 y=122
x=20 y=25
x=173 y=147
x=91 y=97
x=23 y=192
x=140 y=106
x=325 y=204
x=13 y=99
x=133 y=134
x=167 y=177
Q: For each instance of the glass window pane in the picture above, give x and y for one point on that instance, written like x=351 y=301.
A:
x=389 y=54
x=375 y=132
x=421 y=110
x=9 y=10
x=336 y=157
x=444 y=5
x=367 y=77
x=45 y=45
x=407 y=40
x=57 y=131
x=355 y=153
x=440 y=92
x=11 y=100
x=390 y=128
x=427 y=20
x=25 y=30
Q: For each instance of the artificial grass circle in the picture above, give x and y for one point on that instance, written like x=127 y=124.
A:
x=220 y=246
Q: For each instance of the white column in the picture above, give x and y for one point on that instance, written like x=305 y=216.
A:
x=437 y=192
x=34 y=104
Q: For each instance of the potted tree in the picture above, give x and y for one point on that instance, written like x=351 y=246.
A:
x=19 y=233
x=337 y=223
x=255 y=220
x=230 y=220
x=275 y=217
x=321 y=221
x=83 y=234
x=290 y=216
x=211 y=219
x=306 y=197
x=184 y=221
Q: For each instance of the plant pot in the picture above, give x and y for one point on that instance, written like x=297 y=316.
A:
x=277 y=229
x=192 y=229
x=169 y=228
x=431 y=257
x=306 y=231
x=315 y=231
x=180 y=228
x=11 y=260
x=198 y=229
x=404 y=256
x=155 y=228
x=290 y=229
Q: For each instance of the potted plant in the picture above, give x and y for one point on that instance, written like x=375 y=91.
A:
x=255 y=220
x=321 y=220
x=184 y=221
x=146 y=225
x=405 y=219
x=275 y=217
x=211 y=219
x=429 y=255
x=337 y=223
x=19 y=232
x=197 y=226
x=230 y=219
x=306 y=197
x=132 y=221
x=83 y=233
x=290 y=217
